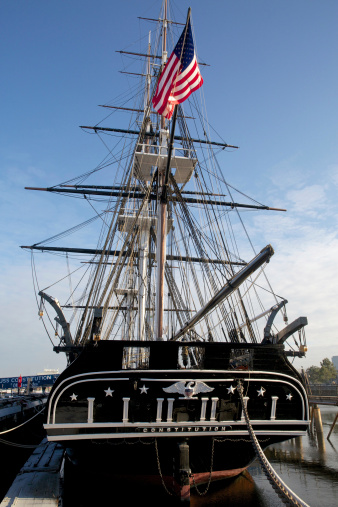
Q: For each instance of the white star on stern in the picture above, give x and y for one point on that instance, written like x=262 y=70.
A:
x=231 y=390
x=109 y=392
x=289 y=396
x=73 y=397
x=261 y=391
x=143 y=389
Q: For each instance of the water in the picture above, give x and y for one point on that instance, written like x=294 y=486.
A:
x=308 y=465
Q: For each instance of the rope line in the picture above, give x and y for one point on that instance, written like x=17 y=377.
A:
x=14 y=444
x=16 y=427
x=283 y=491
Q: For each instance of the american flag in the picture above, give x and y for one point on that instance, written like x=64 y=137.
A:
x=180 y=76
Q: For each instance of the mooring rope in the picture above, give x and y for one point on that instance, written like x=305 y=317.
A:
x=15 y=444
x=16 y=427
x=283 y=491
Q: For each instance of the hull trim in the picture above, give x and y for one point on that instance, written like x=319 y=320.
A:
x=109 y=436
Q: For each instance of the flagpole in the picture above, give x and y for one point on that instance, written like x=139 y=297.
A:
x=164 y=195
x=162 y=221
x=161 y=215
x=164 y=49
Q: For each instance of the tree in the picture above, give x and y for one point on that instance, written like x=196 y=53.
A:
x=328 y=371
x=313 y=374
x=323 y=374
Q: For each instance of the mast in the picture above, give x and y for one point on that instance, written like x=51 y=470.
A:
x=163 y=201
x=144 y=224
x=132 y=272
x=162 y=211
x=148 y=83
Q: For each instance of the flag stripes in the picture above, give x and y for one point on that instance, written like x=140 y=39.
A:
x=180 y=76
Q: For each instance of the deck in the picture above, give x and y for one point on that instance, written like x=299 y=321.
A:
x=39 y=482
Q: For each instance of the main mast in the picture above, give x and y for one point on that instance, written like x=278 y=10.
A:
x=162 y=209
x=124 y=299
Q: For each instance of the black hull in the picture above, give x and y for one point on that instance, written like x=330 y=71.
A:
x=131 y=421
x=135 y=490
x=223 y=457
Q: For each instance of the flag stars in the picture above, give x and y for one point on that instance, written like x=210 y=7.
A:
x=261 y=391
x=73 y=397
x=109 y=392
x=180 y=76
x=143 y=389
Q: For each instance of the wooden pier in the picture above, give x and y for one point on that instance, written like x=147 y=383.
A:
x=322 y=395
x=40 y=480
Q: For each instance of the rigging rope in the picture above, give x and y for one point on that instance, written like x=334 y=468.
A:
x=35 y=284
x=283 y=491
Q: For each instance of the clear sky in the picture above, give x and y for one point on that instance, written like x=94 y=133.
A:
x=271 y=88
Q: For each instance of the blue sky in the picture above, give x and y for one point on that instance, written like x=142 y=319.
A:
x=271 y=88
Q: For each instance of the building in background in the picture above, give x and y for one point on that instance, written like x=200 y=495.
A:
x=335 y=362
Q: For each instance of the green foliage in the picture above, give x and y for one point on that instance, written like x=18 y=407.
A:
x=322 y=375
x=313 y=374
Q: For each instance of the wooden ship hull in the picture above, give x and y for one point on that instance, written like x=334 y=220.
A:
x=109 y=414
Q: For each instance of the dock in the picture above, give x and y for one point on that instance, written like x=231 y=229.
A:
x=16 y=409
x=40 y=481
x=321 y=395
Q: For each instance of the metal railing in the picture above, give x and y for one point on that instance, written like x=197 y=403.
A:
x=322 y=390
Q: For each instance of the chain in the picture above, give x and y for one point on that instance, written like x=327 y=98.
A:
x=159 y=469
x=210 y=475
x=200 y=493
x=239 y=440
